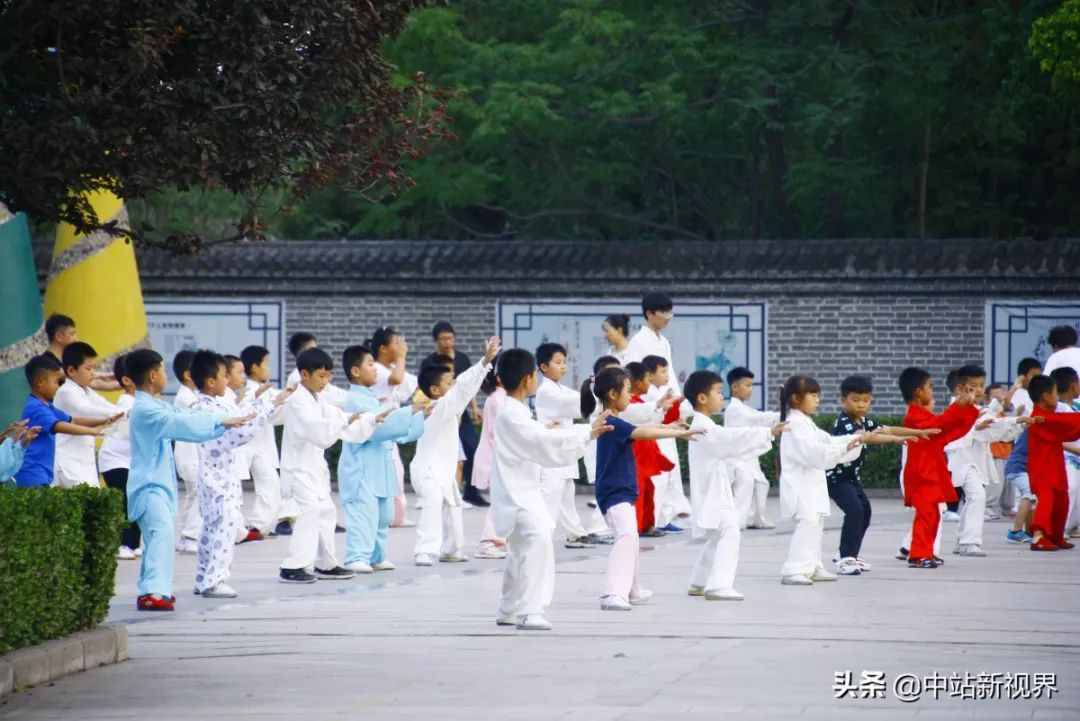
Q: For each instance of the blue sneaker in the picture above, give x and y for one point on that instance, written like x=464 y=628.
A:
x=1017 y=537
x=672 y=528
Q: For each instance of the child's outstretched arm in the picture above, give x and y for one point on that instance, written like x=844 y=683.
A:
x=655 y=433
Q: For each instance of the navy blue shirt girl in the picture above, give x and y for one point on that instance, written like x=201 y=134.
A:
x=616 y=472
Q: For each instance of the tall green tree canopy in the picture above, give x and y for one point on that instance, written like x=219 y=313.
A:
x=733 y=118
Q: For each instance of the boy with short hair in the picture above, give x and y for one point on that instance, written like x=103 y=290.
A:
x=367 y=478
x=751 y=487
x=60 y=331
x=187 y=458
x=114 y=461
x=523 y=446
x=556 y=404
x=433 y=470
x=844 y=484
x=298 y=343
x=1019 y=400
x=151 y=485
x=39 y=458
x=313 y=423
x=971 y=463
x=1068 y=388
x=76 y=463
x=926 y=481
x=715 y=512
x=221 y=499
x=262 y=451
x=1046 y=464
x=648 y=460
x=670 y=499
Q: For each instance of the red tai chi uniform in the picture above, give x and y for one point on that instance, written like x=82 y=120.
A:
x=1046 y=469
x=650 y=461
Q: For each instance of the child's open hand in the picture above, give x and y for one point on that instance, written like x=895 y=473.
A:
x=263 y=388
x=928 y=433
x=382 y=416
x=691 y=434
x=27 y=435
x=238 y=421
x=491 y=348
x=680 y=425
x=984 y=424
x=1028 y=420
x=113 y=419
x=14 y=430
x=779 y=428
x=855 y=442
x=282 y=398
x=552 y=425
x=600 y=426
x=667 y=400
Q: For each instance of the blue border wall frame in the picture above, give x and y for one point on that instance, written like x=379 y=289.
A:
x=226 y=325
x=1017 y=329
x=717 y=335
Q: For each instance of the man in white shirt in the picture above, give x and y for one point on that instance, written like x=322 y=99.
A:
x=1063 y=342
x=658 y=311
x=76 y=464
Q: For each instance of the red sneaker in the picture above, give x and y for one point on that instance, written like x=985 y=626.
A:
x=155 y=602
x=252 y=535
x=1066 y=545
x=1044 y=544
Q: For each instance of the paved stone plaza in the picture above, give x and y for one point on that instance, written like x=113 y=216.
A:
x=421 y=643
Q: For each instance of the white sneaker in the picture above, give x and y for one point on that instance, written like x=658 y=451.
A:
x=762 y=524
x=950 y=516
x=384 y=565
x=138 y=552
x=695 y=591
x=642 y=596
x=797 y=579
x=508 y=620
x=424 y=559
x=465 y=505
x=455 y=557
x=848 y=566
x=821 y=574
x=222 y=590
x=969 y=549
x=125 y=554
x=864 y=566
x=990 y=515
x=533 y=622
x=359 y=567
x=187 y=546
x=489 y=550
x=724 y=594
x=615 y=603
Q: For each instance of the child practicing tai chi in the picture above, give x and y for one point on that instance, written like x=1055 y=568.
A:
x=221 y=499
x=844 y=484
x=806 y=453
x=262 y=455
x=13 y=442
x=715 y=513
x=750 y=484
x=558 y=405
x=151 y=486
x=1046 y=464
x=1016 y=473
x=114 y=461
x=1068 y=387
x=313 y=423
x=616 y=484
x=522 y=447
x=926 y=481
x=670 y=499
x=433 y=470
x=75 y=461
x=187 y=458
x=491 y=546
x=367 y=479
x=648 y=459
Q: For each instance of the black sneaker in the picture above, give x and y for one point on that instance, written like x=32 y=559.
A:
x=939 y=561
x=902 y=554
x=283 y=528
x=922 y=563
x=337 y=573
x=339 y=529
x=471 y=495
x=296 y=575
x=600 y=540
x=582 y=542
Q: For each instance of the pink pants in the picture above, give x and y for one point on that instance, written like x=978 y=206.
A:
x=622 y=570
x=488 y=534
x=400 y=502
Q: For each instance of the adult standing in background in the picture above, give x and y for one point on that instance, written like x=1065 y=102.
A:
x=445 y=341
x=1062 y=340
x=617 y=334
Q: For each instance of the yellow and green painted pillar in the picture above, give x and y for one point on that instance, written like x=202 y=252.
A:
x=22 y=334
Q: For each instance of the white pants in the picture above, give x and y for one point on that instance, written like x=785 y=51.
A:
x=719 y=557
x=440 y=526
x=804 y=553
x=62 y=480
x=401 y=504
x=751 y=496
x=222 y=521
x=265 y=513
x=1073 y=476
x=623 y=560
x=312 y=540
x=558 y=493
x=529 y=575
x=906 y=543
x=190 y=521
x=972 y=511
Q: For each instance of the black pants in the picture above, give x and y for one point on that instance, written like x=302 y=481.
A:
x=118 y=478
x=856 y=507
x=470 y=439
x=955 y=505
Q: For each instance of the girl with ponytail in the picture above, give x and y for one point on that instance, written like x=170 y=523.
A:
x=616 y=483
x=806 y=452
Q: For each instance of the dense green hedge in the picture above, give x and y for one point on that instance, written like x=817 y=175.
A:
x=57 y=561
x=881 y=468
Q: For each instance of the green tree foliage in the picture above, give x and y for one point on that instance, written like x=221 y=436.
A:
x=1055 y=41
x=734 y=118
x=153 y=96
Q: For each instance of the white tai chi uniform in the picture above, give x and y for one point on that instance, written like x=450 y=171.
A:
x=186 y=456
x=75 y=463
x=263 y=461
x=393 y=397
x=433 y=470
x=716 y=515
x=221 y=501
x=523 y=446
x=1072 y=475
x=556 y=403
x=751 y=486
x=806 y=452
x=670 y=498
x=313 y=424
x=972 y=466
